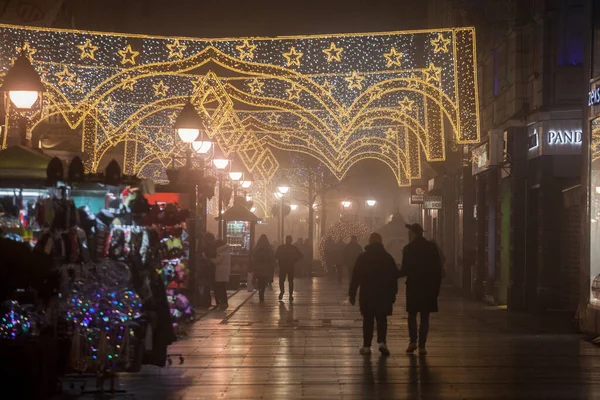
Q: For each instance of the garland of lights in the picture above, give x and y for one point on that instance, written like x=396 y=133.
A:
x=338 y=98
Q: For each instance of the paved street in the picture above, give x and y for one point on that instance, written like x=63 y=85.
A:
x=309 y=350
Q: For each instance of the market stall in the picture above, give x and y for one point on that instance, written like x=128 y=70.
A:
x=240 y=225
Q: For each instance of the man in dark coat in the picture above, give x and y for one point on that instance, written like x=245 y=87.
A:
x=287 y=255
x=376 y=274
x=423 y=270
x=351 y=253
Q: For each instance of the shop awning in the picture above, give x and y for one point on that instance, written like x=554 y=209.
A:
x=19 y=162
x=239 y=213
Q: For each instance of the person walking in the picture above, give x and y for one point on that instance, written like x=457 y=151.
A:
x=421 y=265
x=222 y=272
x=287 y=255
x=338 y=252
x=262 y=264
x=376 y=274
x=351 y=253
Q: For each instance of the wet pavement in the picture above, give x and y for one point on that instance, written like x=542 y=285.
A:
x=309 y=350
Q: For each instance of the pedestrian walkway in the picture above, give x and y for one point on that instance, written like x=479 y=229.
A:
x=309 y=350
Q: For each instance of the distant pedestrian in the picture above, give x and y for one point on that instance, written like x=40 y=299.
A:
x=287 y=255
x=338 y=254
x=376 y=274
x=421 y=264
x=351 y=252
x=222 y=272
x=262 y=264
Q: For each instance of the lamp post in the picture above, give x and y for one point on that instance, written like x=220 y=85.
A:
x=371 y=203
x=293 y=207
x=221 y=165
x=236 y=178
x=283 y=189
x=23 y=86
x=188 y=125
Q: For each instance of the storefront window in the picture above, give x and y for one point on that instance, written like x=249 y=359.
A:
x=595 y=215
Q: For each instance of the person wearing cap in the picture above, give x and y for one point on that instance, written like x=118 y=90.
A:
x=422 y=268
x=376 y=274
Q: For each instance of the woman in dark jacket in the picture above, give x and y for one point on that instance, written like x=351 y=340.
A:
x=376 y=274
x=263 y=264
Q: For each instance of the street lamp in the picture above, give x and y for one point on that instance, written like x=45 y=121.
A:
x=202 y=146
x=282 y=189
x=293 y=207
x=188 y=126
x=221 y=165
x=236 y=176
x=371 y=203
x=23 y=86
x=346 y=204
x=246 y=184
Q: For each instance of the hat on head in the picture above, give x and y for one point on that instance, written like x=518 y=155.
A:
x=415 y=228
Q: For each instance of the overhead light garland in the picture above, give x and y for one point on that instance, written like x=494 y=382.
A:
x=334 y=97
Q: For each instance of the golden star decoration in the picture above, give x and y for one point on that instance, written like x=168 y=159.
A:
x=128 y=84
x=333 y=53
x=386 y=148
x=246 y=50
x=128 y=55
x=107 y=106
x=88 y=50
x=80 y=85
x=173 y=117
x=440 y=44
x=160 y=89
x=285 y=137
x=273 y=118
x=199 y=85
x=27 y=51
x=65 y=77
x=393 y=57
x=293 y=57
x=376 y=93
x=406 y=104
x=328 y=86
x=256 y=86
x=390 y=134
x=433 y=73
x=294 y=92
x=176 y=49
x=355 y=80
x=302 y=124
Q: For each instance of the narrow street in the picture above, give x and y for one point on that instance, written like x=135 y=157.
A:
x=309 y=350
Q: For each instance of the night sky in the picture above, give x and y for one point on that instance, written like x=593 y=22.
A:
x=218 y=18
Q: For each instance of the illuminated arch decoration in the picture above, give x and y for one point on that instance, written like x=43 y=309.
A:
x=340 y=98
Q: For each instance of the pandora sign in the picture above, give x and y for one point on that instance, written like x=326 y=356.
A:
x=555 y=137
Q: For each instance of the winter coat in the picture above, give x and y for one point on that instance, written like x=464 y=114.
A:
x=262 y=262
x=288 y=255
x=223 y=263
x=376 y=274
x=351 y=253
x=423 y=270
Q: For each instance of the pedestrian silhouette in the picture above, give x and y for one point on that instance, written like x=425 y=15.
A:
x=421 y=265
x=376 y=275
x=262 y=264
x=287 y=255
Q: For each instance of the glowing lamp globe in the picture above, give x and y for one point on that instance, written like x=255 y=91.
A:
x=278 y=195
x=253 y=209
x=236 y=176
x=246 y=184
x=202 y=147
x=23 y=99
x=220 y=163
x=346 y=204
x=293 y=207
x=188 y=124
x=371 y=203
x=283 y=189
x=23 y=84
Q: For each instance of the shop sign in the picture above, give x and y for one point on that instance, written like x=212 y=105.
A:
x=417 y=192
x=555 y=137
x=480 y=159
x=594 y=97
x=432 y=202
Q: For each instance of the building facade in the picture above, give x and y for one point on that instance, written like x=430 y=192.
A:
x=520 y=188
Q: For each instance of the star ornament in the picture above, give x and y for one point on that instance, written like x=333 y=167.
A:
x=293 y=57
x=246 y=50
x=256 y=86
x=433 y=73
x=333 y=53
x=88 y=50
x=273 y=118
x=176 y=49
x=65 y=77
x=294 y=92
x=128 y=84
x=390 y=134
x=128 y=55
x=440 y=44
x=393 y=58
x=355 y=80
x=160 y=89
x=27 y=51
x=406 y=104
x=328 y=86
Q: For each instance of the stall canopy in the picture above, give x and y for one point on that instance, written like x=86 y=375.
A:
x=239 y=213
x=19 y=162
